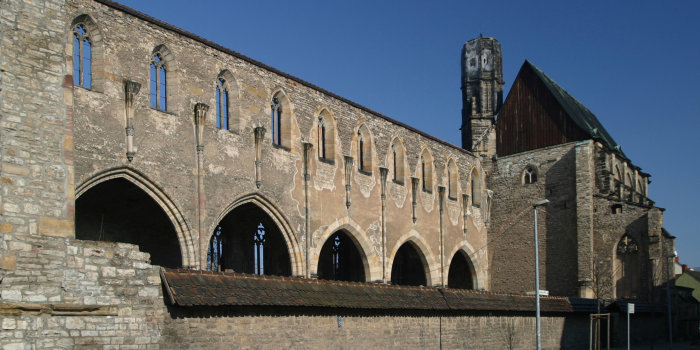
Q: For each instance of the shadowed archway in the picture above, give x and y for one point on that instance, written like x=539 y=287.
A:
x=408 y=268
x=340 y=259
x=116 y=210
x=461 y=274
x=247 y=240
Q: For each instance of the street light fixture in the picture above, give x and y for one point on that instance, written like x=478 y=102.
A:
x=541 y=203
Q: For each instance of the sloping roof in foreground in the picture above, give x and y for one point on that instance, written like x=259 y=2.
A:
x=582 y=116
x=203 y=288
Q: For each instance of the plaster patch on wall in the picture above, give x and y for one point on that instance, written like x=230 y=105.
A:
x=230 y=151
x=454 y=211
x=427 y=200
x=398 y=193
x=374 y=234
x=216 y=169
x=166 y=124
x=325 y=176
x=476 y=218
x=366 y=183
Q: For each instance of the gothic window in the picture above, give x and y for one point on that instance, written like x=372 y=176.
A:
x=452 y=180
x=326 y=137
x=476 y=188
x=321 y=138
x=398 y=160
x=426 y=168
x=158 y=83
x=276 y=121
x=529 y=175
x=82 y=57
x=259 y=251
x=364 y=150
x=627 y=268
x=221 y=104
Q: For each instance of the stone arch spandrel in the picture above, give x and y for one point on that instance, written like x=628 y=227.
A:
x=432 y=269
x=479 y=263
x=370 y=258
x=267 y=206
x=188 y=246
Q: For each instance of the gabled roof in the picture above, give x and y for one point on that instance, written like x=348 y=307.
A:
x=581 y=116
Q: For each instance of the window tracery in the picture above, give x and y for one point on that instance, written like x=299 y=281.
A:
x=82 y=57
x=222 y=104
x=158 y=82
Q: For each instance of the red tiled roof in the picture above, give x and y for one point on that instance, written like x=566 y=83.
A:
x=203 y=288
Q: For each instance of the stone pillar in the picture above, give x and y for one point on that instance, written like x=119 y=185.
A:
x=584 y=217
x=200 y=114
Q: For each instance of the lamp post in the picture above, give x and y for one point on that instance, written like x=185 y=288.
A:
x=541 y=203
x=668 y=299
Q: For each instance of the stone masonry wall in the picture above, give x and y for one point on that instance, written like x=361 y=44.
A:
x=372 y=331
x=511 y=238
x=166 y=160
x=36 y=173
x=63 y=293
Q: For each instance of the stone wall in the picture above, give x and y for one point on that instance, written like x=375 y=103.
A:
x=63 y=293
x=197 y=190
x=511 y=231
x=36 y=143
x=320 y=330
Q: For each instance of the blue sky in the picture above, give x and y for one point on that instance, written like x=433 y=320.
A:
x=636 y=65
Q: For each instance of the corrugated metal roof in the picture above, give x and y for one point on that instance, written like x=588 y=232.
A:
x=582 y=116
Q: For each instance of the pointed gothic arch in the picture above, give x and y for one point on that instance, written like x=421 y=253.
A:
x=187 y=246
x=261 y=207
x=367 y=252
x=430 y=268
x=325 y=136
x=340 y=259
x=281 y=119
x=425 y=170
x=626 y=268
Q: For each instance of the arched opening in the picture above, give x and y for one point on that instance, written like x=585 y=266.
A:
x=461 y=273
x=340 y=259
x=118 y=211
x=408 y=268
x=247 y=240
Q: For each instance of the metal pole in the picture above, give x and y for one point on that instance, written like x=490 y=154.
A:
x=628 y=328
x=537 y=284
x=537 y=275
x=668 y=302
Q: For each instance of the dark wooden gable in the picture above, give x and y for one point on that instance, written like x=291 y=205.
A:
x=532 y=117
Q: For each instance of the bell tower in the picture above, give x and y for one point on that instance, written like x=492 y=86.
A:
x=482 y=93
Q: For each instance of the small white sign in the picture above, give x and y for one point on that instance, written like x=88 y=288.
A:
x=544 y=292
x=630 y=308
